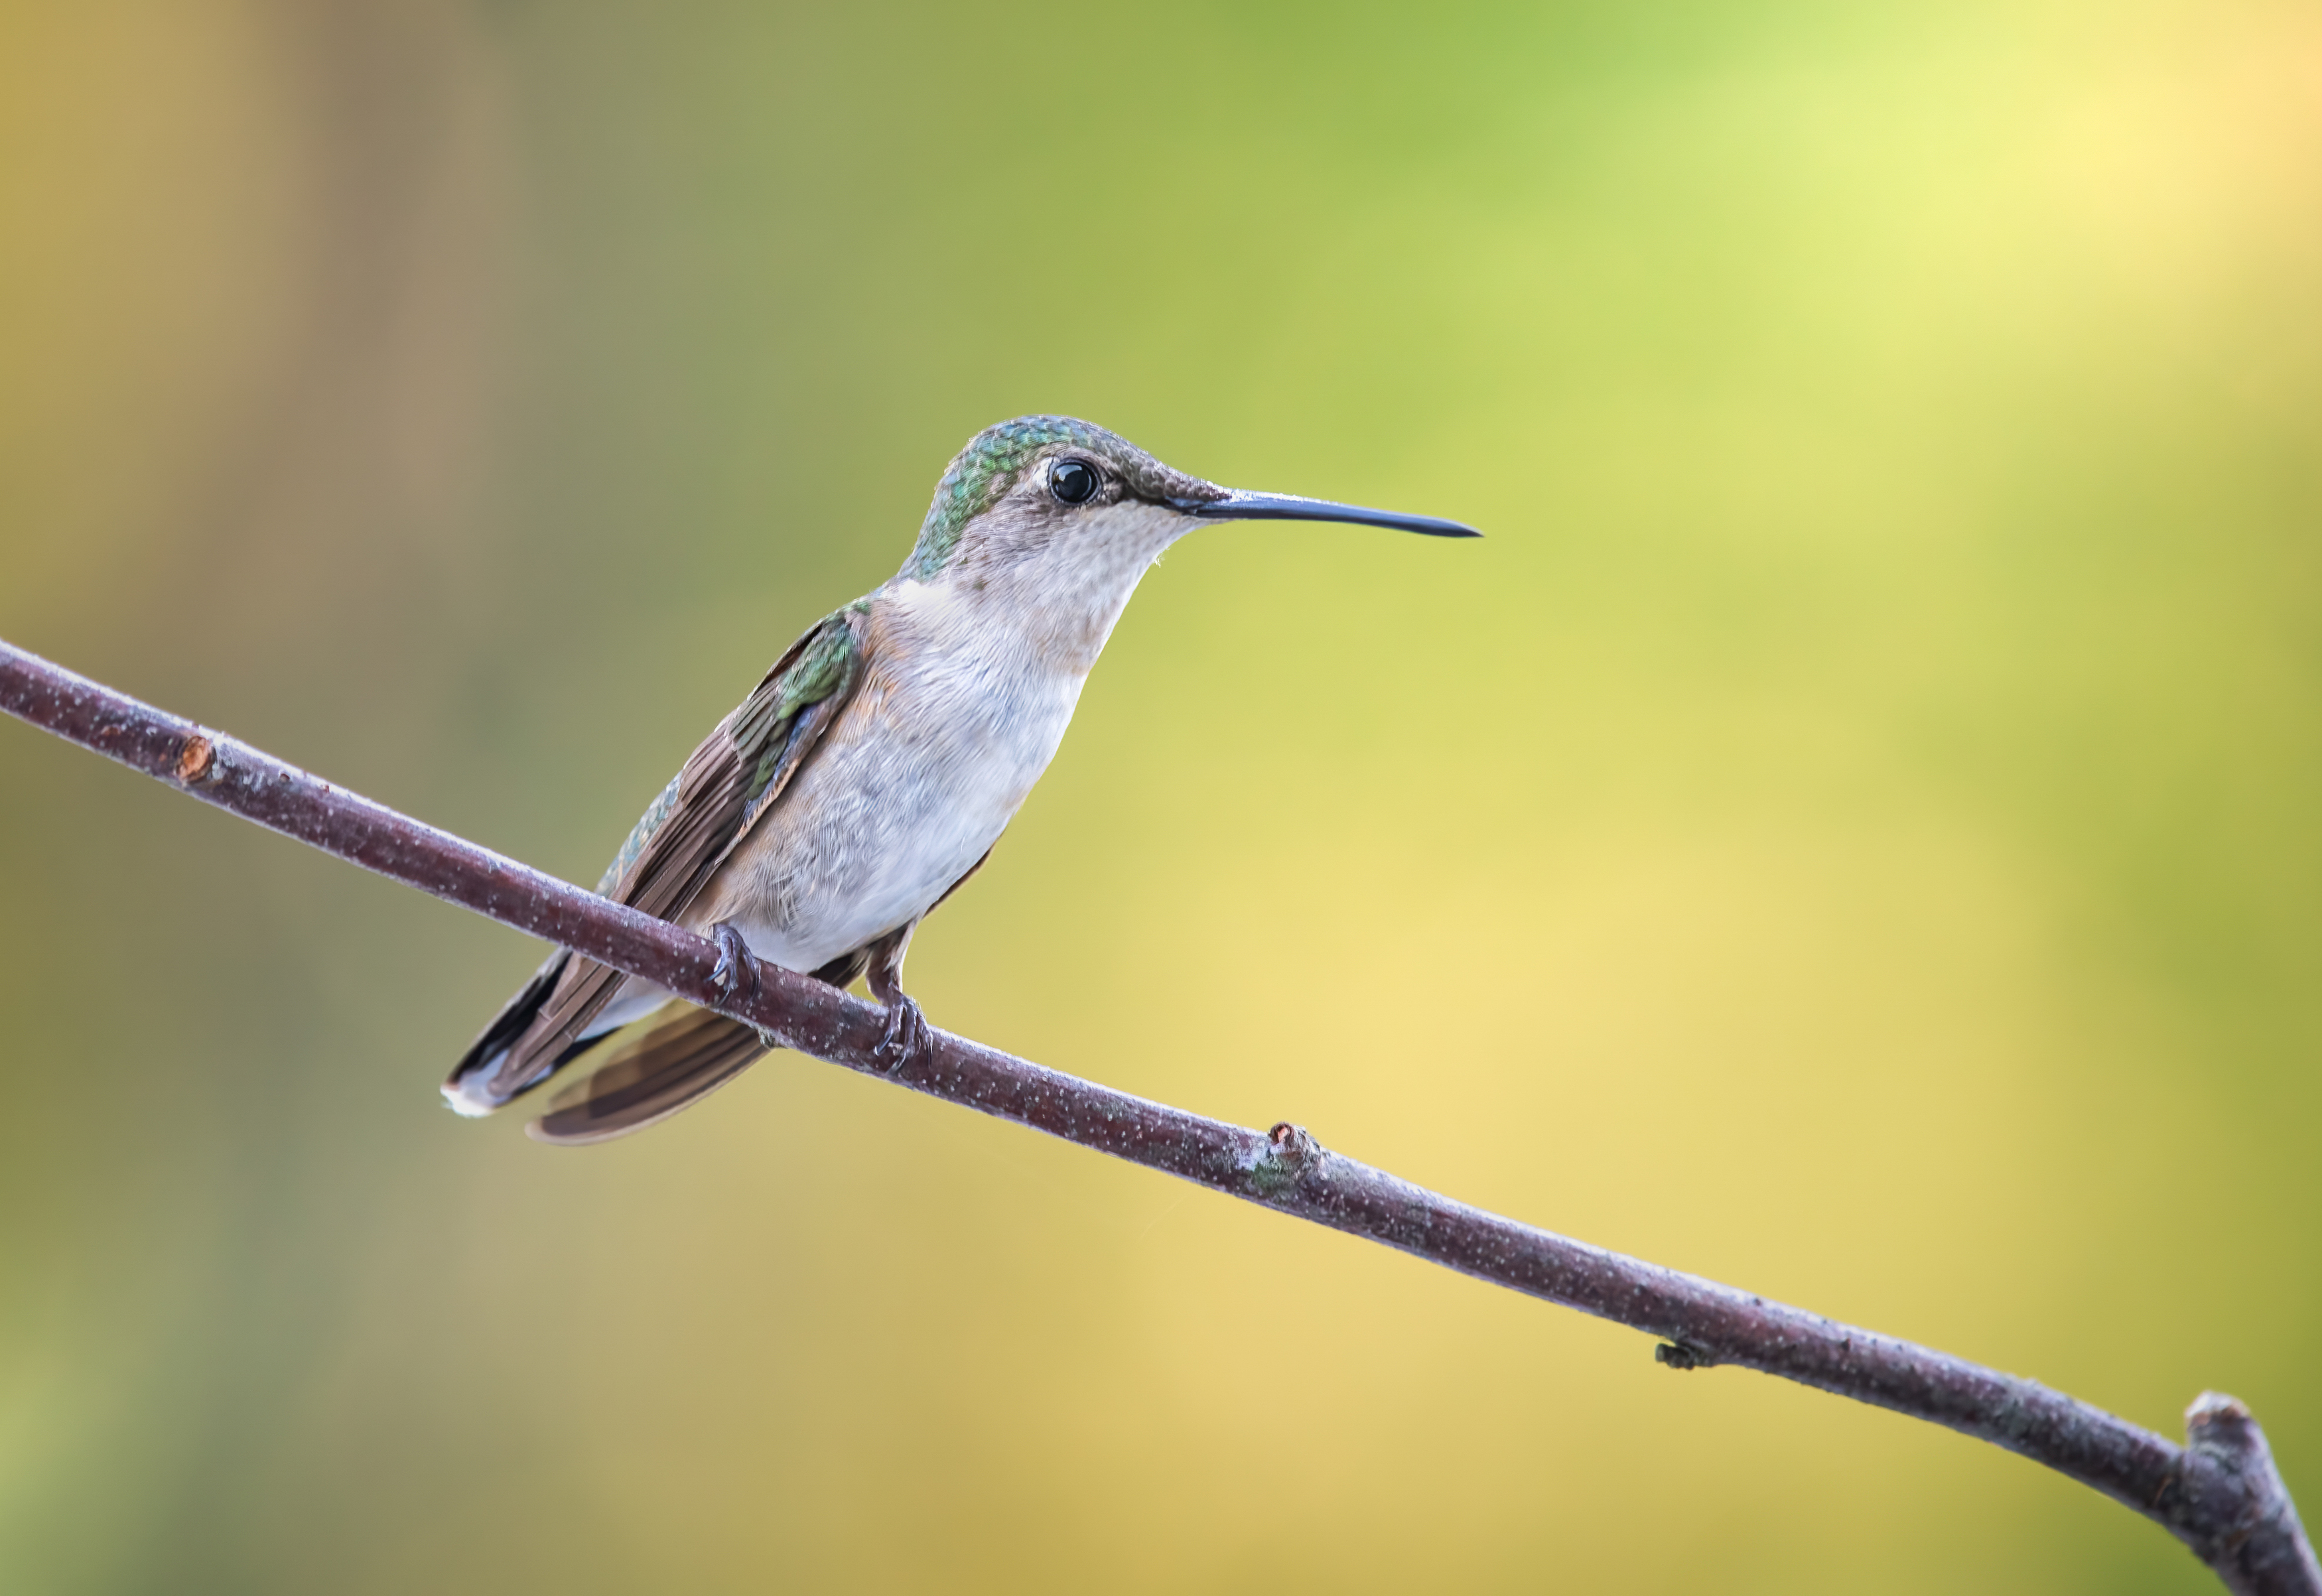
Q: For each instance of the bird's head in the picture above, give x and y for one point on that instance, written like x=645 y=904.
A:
x=1045 y=488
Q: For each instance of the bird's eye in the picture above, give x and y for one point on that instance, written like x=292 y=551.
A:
x=1073 y=482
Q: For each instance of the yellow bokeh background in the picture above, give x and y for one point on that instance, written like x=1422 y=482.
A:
x=1854 y=829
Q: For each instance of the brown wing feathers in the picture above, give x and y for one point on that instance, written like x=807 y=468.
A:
x=731 y=779
x=667 y=876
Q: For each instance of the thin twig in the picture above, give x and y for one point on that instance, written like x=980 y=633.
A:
x=2220 y=1493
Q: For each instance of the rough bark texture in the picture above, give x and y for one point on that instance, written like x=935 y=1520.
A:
x=2220 y=1493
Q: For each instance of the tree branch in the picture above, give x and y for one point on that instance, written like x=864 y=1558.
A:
x=2220 y=1495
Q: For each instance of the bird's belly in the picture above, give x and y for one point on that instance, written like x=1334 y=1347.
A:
x=885 y=816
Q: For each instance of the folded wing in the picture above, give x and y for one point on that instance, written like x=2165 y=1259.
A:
x=739 y=772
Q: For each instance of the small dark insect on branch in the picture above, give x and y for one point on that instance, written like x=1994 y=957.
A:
x=2219 y=1492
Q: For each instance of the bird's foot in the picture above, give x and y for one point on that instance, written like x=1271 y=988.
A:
x=906 y=1039
x=736 y=973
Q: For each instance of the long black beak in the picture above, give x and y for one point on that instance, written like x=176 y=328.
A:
x=1237 y=505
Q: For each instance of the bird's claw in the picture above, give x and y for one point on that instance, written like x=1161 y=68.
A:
x=736 y=973
x=906 y=1039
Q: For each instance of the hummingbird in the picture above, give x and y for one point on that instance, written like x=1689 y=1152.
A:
x=870 y=772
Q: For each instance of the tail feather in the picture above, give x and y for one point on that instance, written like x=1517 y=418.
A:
x=671 y=1065
x=468 y=1088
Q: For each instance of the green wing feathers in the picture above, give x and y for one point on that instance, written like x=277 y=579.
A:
x=754 y=752
x=822 y=666
x=608 y=884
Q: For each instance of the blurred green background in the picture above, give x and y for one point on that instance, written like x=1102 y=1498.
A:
x=1854 y=830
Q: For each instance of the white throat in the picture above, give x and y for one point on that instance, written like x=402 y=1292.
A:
x=1059 y=601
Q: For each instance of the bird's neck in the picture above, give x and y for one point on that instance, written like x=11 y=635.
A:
x=1052 y=609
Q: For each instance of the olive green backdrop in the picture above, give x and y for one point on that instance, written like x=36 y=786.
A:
x=1853 y=830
